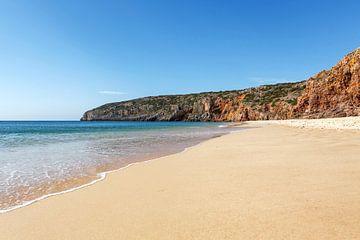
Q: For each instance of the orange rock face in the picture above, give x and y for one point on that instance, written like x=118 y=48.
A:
x=334 y=92
x=330 y=93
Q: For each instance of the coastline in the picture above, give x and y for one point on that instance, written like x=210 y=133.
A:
x=272 y=182
x=101 y=175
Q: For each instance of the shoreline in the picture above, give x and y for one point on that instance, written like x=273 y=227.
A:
x=320 y=124
x=269 y=182
x=100 y=176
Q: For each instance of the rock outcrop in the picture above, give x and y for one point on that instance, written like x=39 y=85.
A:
x=334 y=92
x=330 y=93
x=264 y=102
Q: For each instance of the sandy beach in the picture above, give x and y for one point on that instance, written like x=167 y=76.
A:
x=349 y=123
x=263 y=182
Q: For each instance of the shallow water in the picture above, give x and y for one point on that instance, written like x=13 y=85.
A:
x=41 y=158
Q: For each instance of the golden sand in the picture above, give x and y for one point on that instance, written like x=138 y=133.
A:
x=273 y=182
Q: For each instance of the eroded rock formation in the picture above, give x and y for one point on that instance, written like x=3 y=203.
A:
x=334 y=92
x=331 y=93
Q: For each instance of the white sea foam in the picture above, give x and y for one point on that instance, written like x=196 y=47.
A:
x=65 y=156
x=101 y=176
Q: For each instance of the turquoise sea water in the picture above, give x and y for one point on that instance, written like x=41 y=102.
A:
x=38 y=158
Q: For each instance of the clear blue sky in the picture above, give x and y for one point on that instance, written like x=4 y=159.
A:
x=60 y=58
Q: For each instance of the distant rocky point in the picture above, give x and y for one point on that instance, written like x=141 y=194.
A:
x=330 y=93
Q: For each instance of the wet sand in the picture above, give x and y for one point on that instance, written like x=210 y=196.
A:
x=24 y=195
x=266 y=182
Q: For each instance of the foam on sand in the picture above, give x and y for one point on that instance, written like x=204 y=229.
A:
x=270 y=182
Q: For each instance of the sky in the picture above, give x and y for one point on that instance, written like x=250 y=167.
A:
x=61 y=58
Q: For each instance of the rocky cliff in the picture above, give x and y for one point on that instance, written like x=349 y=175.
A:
x=334 y=92
x=331 y=93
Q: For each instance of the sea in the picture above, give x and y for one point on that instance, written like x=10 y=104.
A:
x=39 y=159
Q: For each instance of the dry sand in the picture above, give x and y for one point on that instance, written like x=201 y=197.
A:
x=273 y=182
x=327 y=123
